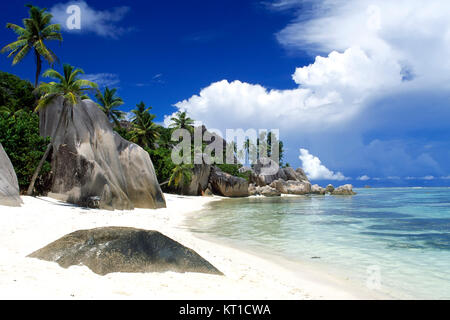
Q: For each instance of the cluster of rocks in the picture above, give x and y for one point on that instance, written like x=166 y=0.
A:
x=94 y=166
x=287 y=181
x=9 y=186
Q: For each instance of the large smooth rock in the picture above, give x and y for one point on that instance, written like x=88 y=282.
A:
x=316 y=189
x=119 y=249
x=9 y=186
x=199 y=181
x=90 y=161
x=227 y=185
x=291 y=187
x=345 y=190
x=268 y=191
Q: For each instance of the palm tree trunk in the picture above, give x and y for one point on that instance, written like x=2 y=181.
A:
x=38 y=68
x=38 y=170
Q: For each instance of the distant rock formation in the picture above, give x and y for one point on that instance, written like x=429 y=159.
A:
x=93 y=164
x=265 y=191
x=345 y=190
x=316 y=189
x=9 y=186
x=292 y=187
x=226 y=185
x=119 y=249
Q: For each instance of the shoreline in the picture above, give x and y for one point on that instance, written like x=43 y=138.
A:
x=248 y=275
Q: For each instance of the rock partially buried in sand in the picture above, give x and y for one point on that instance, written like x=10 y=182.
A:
x=9 y=187
x=119 y=249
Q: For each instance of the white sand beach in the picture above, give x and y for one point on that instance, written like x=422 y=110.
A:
x=41 y=221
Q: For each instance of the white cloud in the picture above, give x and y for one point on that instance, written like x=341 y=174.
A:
x=315 y=170
x=363 y=178
x=368 y=51
x=102 y=79
x=103 y=23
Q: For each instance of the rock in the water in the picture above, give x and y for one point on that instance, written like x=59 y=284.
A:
x=91 y=161
x=344 y=190
x=9 y=186
x=252 y=190
x=316 y=189
x=291 y=187
x=119 y=249
x=227 y=185
x=329 y=188
x=268 y=191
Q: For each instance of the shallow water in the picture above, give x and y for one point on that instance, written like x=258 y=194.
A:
x=395 y=241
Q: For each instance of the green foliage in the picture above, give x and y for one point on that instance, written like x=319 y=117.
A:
x=109 y=103
x=144 y=132
x=162 y=161
x=15 y=93
x=69 y=86
x=233 y=169
x=20 y=138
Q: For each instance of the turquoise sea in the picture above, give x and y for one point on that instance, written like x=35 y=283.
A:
x=395 y=241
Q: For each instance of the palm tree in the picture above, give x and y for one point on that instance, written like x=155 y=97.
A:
x=181 y=175
x=37 y=29
x=69 y=86
x=182 y=121
x=145 y=132
x=108 y=103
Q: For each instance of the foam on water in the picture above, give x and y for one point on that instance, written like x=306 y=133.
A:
x=401 y=236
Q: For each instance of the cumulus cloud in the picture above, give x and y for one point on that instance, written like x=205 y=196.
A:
x=373 y=59
x=101 y=22
x=363 y=178
x=315 y=170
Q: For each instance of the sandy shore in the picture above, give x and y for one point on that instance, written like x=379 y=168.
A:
x=43 y=220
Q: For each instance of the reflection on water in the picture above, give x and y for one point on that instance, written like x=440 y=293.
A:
x=403 y=231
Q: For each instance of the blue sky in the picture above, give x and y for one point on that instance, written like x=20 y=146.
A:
x=373 y=108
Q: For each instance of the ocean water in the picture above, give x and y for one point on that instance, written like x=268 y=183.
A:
x=395 y=241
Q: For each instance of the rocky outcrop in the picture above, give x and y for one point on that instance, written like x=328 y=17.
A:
x=226 y=185
x=118 y=249
x=265 y=191
x=9 y=186
x=316 y=189
x=199 y=181
x=345 y=190
x=291 y=187
x=93 y=164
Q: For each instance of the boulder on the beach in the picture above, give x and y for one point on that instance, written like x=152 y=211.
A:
x=268 y=191
x=199 y=180
x=316 y=189
x=292 y=187
x=9 y=186
x=119 y=249
x=90 y=161
x=345 y=190
x=226 y=185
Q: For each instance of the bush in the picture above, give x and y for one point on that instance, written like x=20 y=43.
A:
x=16 y=93
x=20 y=138
x=233 y=169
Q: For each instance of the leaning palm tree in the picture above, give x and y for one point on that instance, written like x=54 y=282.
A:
x=69 y=86
x=181 y=175
x=37 y=29
x=182 y=121
x=108 y=103
x=71 y=89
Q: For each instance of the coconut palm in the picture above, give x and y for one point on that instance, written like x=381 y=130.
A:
x=69 y=86
x=108 y=103
x=181 y=175
x=182 y=121
x=145 y=132
x=37 y=29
